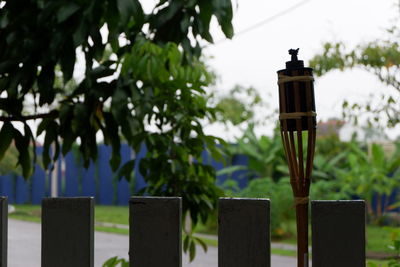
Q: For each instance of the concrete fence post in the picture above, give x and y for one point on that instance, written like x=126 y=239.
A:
x=244 y=233
x=3 y=231
x=338 y=233
x=67 y=232
x=155 y=231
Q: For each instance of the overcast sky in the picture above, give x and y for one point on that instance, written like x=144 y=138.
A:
x=252 y=58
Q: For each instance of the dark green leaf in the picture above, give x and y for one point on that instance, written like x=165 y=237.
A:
x=101 y=71
x=205 y=17
x=66 y=10
x=223 y=11
x=112 y=136
x=24 y=158
x=192 y=251
x=202 y=243
x=51 y=136
x=11 y=105
x=67 y=60
x=80 y=35
x=186 y=243
x=127 y=170
x=45 y=84
x=6 y=136
x=166 y=14
x=129 y=8
x=42 y=126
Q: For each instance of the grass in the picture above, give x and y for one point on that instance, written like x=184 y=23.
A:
x=377 y=237
x=111 y=214
x=112 y=230
x=379 y=263
x=29 y=213
x=283 y=252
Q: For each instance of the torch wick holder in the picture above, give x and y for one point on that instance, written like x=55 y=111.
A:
x=294 y=53
x=294 y=63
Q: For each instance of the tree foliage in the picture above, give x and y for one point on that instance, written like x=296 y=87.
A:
x=238 y=105
x=381 y=58
x=143 y=82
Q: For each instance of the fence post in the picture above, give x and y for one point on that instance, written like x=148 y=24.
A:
x=338 y=233
x=244 y=233
x=67 y=232
x=155 y=231
x=3 y=231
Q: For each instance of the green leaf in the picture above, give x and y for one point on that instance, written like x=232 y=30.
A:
x=127 y=170
x=98 y=46
x=80 y=35
x=185 y=23
x=11 y=105
x=227 y=29
x=223 y=11
x=6 y=136
x=206 y=11
x=112 y=136
x=68 y=140
x=111 y=262
x=67 y=60
x=66 y=11
x=378 y=156
x=101 y=72
x=42 y=126
x=115 y=261
x=112 y=18
x=51 y=136
x=45 y=83
x=231 y=169
x=115 y=160
x=24 y=158
x=129 y=8
x=192 y=251
x=167 y=13
x=29 y=134
x=186 y=243
x=202 y=243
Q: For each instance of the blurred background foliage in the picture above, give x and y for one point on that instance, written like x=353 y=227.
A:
x=350 y=170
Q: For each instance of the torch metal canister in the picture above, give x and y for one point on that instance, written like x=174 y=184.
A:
x=298 y=130
x=296 y=95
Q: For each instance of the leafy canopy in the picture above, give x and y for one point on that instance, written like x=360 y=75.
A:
x=380 y=57
x=142 y=82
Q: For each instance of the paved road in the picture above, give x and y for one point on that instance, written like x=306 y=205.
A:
x=24 y=248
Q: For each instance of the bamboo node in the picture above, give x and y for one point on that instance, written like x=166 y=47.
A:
x=297 y=115
x=285 y=79
x=301 y=200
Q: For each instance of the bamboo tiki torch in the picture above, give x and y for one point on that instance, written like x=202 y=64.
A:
x=298 y=128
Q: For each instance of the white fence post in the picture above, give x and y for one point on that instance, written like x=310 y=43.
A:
x=338 y=233
x=3 y=231
x=155 y=232
x=68 y=232
x=244 y=233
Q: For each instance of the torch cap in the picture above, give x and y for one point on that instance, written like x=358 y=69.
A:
x=294 y=63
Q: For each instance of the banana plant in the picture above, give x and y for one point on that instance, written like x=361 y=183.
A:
x=372 y=174
x=264 y=154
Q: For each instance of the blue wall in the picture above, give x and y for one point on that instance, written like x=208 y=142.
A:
x=98 y=180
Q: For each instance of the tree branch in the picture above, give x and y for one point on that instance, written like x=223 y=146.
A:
x=52 y=114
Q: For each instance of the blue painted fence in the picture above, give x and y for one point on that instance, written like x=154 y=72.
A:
x=98 y=180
